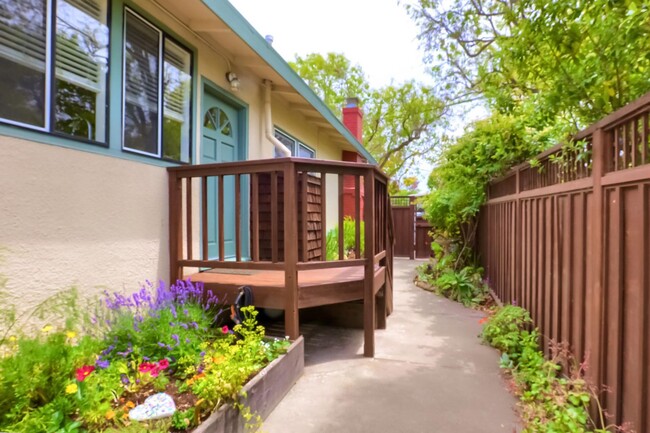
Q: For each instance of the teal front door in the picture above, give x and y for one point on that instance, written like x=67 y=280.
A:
x=219 y=143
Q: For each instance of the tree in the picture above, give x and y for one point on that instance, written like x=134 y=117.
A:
x=399 y=120
x=575 y=60
x=543 y=69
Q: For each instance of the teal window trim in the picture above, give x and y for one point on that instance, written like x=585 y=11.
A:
x=113 y=145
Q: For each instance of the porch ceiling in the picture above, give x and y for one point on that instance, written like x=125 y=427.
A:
x=235 y=39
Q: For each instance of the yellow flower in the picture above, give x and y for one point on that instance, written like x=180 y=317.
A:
x=71 y=389
x=70 y=334
x=110 y=415
x=12 y=338
x=47 y=328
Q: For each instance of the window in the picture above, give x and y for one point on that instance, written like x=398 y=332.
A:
x=157 y=90
x=297 y=148
x=72 y=36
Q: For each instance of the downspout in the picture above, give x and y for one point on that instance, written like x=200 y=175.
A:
x=281 y=148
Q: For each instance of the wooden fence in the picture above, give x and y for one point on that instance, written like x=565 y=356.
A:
x=569 y=240
x=412 y=231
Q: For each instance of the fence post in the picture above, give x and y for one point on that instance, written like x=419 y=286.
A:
x=516 y=286
x=413 y=232
x=594 y=331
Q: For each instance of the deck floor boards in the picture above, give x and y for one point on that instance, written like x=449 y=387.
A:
x=316 y=286
x=275 y=279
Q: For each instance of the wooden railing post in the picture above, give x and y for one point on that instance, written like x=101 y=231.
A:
x=290 y=251
x=175 y=231
x=595 y=325
x=382 y=206
x=369 y=310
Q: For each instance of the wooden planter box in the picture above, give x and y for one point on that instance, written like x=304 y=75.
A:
x=263 y=392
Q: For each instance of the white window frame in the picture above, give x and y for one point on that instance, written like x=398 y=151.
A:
x=297 y=144
x=49 y=64
x=162 y=37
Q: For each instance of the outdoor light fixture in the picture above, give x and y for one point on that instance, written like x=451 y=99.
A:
x=233 y=80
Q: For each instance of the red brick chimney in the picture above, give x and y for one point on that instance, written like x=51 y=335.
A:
x=353 y=120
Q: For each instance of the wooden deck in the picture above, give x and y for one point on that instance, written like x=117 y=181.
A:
x=276 y=235
x=315 y=287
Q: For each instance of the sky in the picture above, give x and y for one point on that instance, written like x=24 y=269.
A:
x=378 y=35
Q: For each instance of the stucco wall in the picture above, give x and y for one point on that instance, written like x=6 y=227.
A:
x=63 y=224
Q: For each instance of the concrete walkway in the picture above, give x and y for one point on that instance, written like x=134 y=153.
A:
x=430 y=374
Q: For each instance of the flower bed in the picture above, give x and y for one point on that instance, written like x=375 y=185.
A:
x=95 y=374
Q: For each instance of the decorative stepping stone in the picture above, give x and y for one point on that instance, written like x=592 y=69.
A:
x=157 y=406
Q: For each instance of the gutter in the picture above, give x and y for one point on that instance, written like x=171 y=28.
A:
x=268 y=122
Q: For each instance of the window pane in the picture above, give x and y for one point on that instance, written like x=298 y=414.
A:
x=305 y=152
x=177 y=86
x=23 y=32
x=290 y=143
x=81 y=67
x=141 y=77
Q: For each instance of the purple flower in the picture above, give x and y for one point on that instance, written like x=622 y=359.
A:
x=175 y=338
x=108 y=350
x=194 y=325
x=102 y=363
x=125 y=379
x=146 y=358
x=183 y=325
x=161 y=344
x=127 y=352
x=200 y=369
x=202 y=354
x=187 y=340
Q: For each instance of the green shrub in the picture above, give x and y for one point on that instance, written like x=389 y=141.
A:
x=464 y=286
x=506 y=330
x=349 y=236
x=553 y=399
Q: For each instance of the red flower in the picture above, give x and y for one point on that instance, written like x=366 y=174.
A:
x=149 y=367
x=146 y=367
x=224 y=329
x=83 y=372
x=163 y=364
x=483 y=320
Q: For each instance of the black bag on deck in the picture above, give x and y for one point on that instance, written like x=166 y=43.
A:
x=244 y=299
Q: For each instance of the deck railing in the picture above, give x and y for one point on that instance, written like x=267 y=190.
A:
x=279 y=210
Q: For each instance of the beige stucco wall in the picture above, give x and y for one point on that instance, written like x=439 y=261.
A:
x=75 y=217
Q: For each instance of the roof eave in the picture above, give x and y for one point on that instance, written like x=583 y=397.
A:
x=240 y=26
